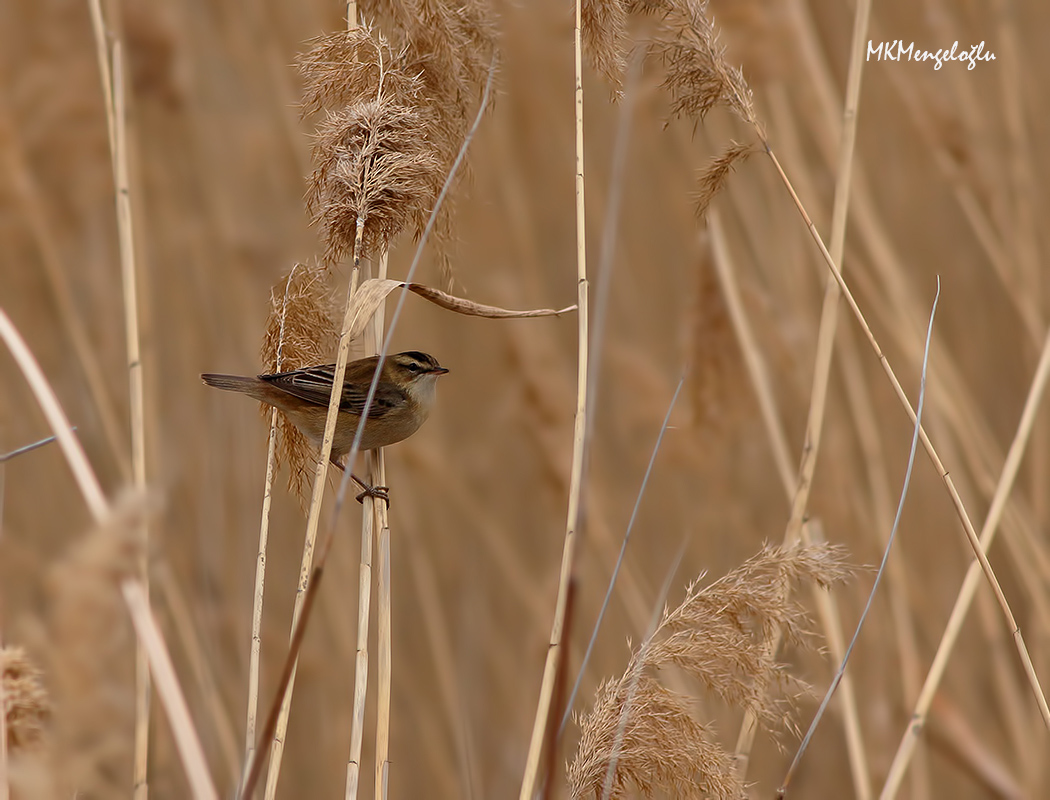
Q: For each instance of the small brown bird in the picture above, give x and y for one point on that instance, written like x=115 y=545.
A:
x=403 y=398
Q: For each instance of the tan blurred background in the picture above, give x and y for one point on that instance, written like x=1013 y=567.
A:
x=950 y=181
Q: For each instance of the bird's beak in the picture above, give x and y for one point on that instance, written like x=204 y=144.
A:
x=439 y=371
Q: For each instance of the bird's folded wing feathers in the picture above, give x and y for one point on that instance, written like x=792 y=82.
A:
x=315 y=386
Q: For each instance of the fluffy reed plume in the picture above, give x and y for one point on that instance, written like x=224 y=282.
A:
x=26 y=702
x=26 y=708
x=646 y=735
x=301 y=331
x=430 y=80
x=450 y=44
x=92 y=671
x=375 y=168
x=697 y=75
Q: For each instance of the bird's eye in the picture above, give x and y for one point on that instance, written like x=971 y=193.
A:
x=413 y=367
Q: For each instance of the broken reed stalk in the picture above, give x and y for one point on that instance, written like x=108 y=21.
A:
x=113 y=89
x=822 y=371
x=556 y=646
x=972 y=580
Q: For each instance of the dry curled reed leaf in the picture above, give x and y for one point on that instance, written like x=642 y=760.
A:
x=26 y=703
x=374 y=166
x=718 y=635
x=371 y=293
x=717 y=173
x=301 y=331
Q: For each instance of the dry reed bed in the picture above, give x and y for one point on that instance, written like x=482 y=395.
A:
x=221 y=224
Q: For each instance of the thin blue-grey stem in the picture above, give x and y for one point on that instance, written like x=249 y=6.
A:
x=885 y=556
x=28 y=448
x=623 y=551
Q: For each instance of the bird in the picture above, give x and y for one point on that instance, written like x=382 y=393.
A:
x=404 y=396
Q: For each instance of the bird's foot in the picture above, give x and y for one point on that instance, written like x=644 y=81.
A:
x=375 y=492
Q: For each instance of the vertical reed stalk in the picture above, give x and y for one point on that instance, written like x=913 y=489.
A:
x=314 y=515
x=364 y=589
x=379 y=510
x=258 y=594
x=556 y=645
x=112 y=74
x=260 y=563
x=364 y=602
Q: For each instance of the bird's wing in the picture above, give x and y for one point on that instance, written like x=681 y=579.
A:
x=314 y=385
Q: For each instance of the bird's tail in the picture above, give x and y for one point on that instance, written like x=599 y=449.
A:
x=231 y=383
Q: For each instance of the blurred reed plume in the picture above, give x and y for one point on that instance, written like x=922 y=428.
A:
x=711 y=353
x=26 y=704
x=92 y=645
x=643 y=734
x=28 y=768
x=301 y=331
